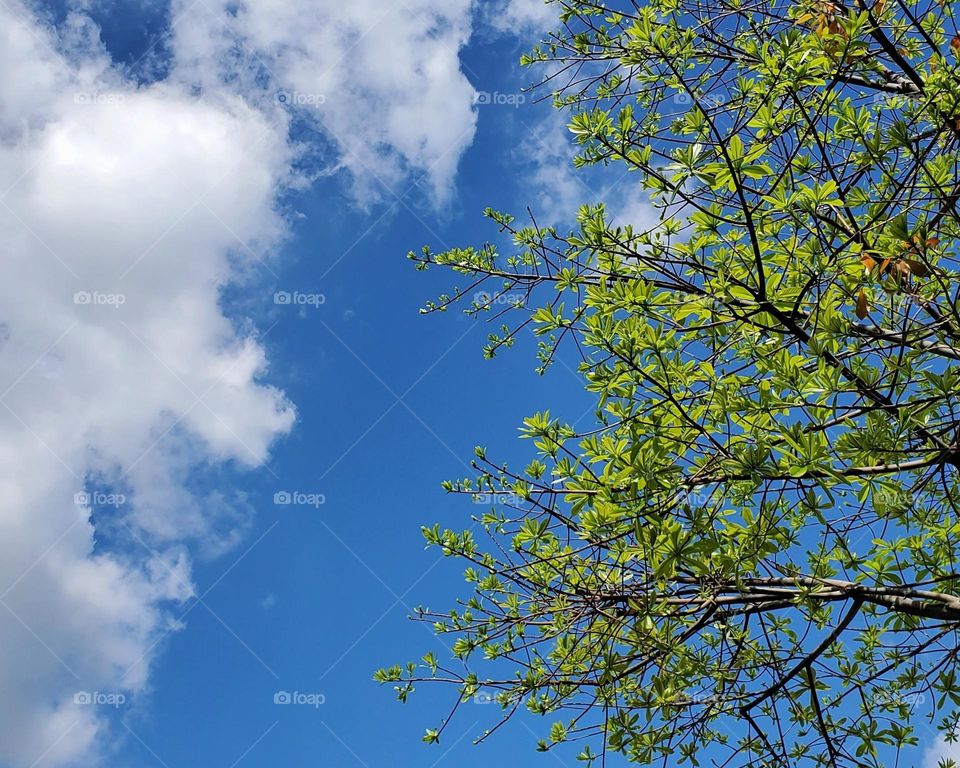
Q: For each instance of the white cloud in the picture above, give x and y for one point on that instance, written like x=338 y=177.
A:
x=631 y=205
x=147 y=202
x=558 y=189
x=124 y=212
x=524 y=18
x=382 y=80
x=940 y=751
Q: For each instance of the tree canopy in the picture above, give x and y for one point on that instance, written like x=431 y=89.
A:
x=751 y=557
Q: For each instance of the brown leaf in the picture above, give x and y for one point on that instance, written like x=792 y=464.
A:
x=863 y=306
x=901 y=269
x=917 y=267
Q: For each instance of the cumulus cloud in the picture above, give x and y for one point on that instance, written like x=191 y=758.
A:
x=524 y=17
x=381 y=80
x=125 y=210
x=941 y=753
x=123 y=214
x=558 y=189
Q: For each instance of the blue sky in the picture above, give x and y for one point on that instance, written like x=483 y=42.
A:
x=167 y=170
x=178 y=583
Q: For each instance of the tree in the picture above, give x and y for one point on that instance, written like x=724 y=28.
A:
x=751 y=557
